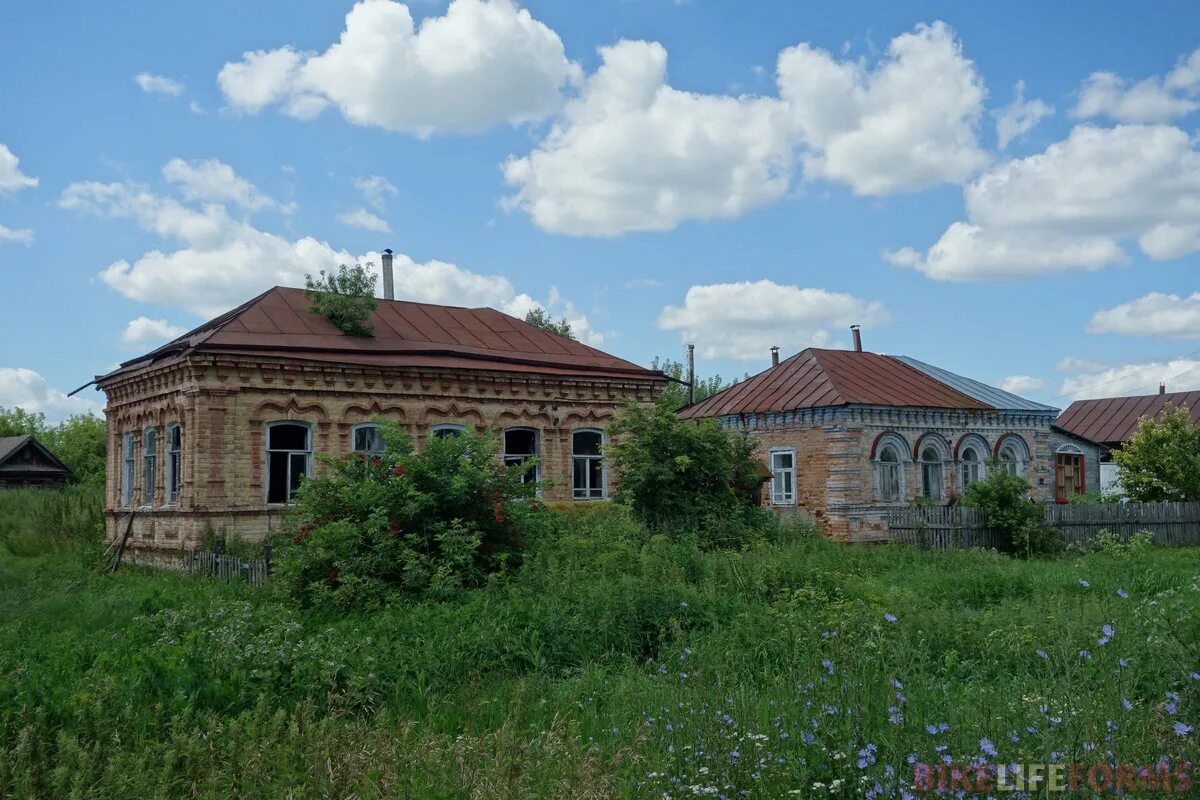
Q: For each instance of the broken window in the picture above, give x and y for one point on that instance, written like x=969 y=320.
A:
x=149 y=465
x=783 y=477
x=174 y=462
x=587 y=465
x=366 y=439
x=289 y=459
x=128 y=465
x=520 y=445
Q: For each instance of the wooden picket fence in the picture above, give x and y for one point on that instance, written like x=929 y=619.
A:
x=1172 y=524
x=215 y=564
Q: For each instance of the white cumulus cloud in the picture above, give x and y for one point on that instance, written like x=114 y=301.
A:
x=908 y=123
x=1154 y=99
x=375 y=189
x=1167 y=316
x=482 y=63
x=1072 y=206
x=632 y=153
x=11 y=177
x=143 y=331
x=24 y=388
x=744 y=320
x=1019 y=117
x=1019 y=384
x=16 y=235
x=157 y=84
x=1179 y=374
x=361 y=218
x=215 y=180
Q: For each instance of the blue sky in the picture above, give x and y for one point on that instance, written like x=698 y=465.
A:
x=737 y=175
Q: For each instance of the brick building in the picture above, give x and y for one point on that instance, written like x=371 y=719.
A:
x=848 y=435
x=215 y=430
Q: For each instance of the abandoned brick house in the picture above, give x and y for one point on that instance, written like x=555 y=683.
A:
x=848 y=435
x=214 y=430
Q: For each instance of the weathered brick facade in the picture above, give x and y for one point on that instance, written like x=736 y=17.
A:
x=225 y=402
x=837 y=473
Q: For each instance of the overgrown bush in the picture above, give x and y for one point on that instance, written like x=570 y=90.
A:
x=682 y=473
x=1005 y=499
x=375 y=527
x=345 y=299
x=1161 y=461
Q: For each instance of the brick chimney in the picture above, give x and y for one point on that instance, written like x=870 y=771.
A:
x=389 y=281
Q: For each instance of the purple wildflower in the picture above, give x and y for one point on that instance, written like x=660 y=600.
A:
x=1121 y=593
x=1126 y=704
x=1084 y=583
x=890 y=618
x=1182 y=730
x=1042 y=654
x=1085 y=655
x=987 y=748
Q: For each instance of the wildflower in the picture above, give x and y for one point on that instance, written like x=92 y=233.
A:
x=891 y=618
x=1182 y=730
x=987 y=748
x=943 y=727
x=1084 y=654
x=683 y=604
x=1121 y=593
x=828 y=665
x=1122 y=663
x=931 y=730
x=1195 y=676
x=1170 y=708
x=896 y=684
x=1042 y=654
x=1128 y=706
x=1084 y=583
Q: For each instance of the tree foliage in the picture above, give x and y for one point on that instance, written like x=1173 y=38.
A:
x=540 y=319
x=373 y=528
x=1005 y=499
x=681 y=471
x=346 y=298
x=676 y=394
x=1161 y=462
x=80 y=441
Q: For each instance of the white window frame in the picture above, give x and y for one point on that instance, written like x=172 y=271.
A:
x=514 y=459
x=588 y=488
x=441 y=430
x=354 y=429
x=173 y=483
x=979 y=448
x=128 y=469
x=149 y=466
x=882 y=467
x=308 y=458
x=779 y=497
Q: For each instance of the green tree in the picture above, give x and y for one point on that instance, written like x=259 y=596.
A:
x=346 y=298
x=1161 y=462
x=19 y=422
x=1005 y=499
x=671 y=470
x=540 y=319
x=676 y=394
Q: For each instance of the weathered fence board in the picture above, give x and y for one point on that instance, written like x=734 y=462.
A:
x=209 y=564
x=1172 y=524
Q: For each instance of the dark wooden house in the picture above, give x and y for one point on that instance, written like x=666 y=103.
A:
x=26 y=464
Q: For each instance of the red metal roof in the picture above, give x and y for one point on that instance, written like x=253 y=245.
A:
x=1111 y=421
x=279 y=323
x=822 y=378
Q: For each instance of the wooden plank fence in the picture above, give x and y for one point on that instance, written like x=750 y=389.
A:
x=1172 y=524
x=215 y=564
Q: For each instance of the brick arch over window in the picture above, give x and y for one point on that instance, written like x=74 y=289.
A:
x=931 y=439
x=524 y=418
x=890 y=437
x=393 y=411
x=972 y=439
x=290 y=407
x=452 y=414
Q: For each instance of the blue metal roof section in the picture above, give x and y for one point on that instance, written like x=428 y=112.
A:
x=997 y=398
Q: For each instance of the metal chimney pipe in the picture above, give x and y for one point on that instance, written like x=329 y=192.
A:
x=1162 y=388
x=691 y=374
x=389 y=281
x=775 y=356
x=855 y=329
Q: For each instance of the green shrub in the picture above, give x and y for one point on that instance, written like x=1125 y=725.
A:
x=345 y=299
x=373 y=527
x=1005 y=499
x=685 y=475
x=36 y=521
x=1161 y=461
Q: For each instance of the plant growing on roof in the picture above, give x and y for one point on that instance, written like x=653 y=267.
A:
x=346 y=298
x=538 y=318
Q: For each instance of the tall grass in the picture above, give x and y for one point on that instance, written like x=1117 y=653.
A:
x=36 y=521
x=618 y=662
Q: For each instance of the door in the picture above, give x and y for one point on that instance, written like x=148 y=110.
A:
x=1068 y=476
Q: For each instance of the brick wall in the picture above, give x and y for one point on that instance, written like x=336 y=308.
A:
x=225 y=406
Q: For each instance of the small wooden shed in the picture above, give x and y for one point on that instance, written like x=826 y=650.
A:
x=25 y=463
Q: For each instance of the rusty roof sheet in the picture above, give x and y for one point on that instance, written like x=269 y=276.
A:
x=1112 y=421
x=817 y=378
x=279 y=323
